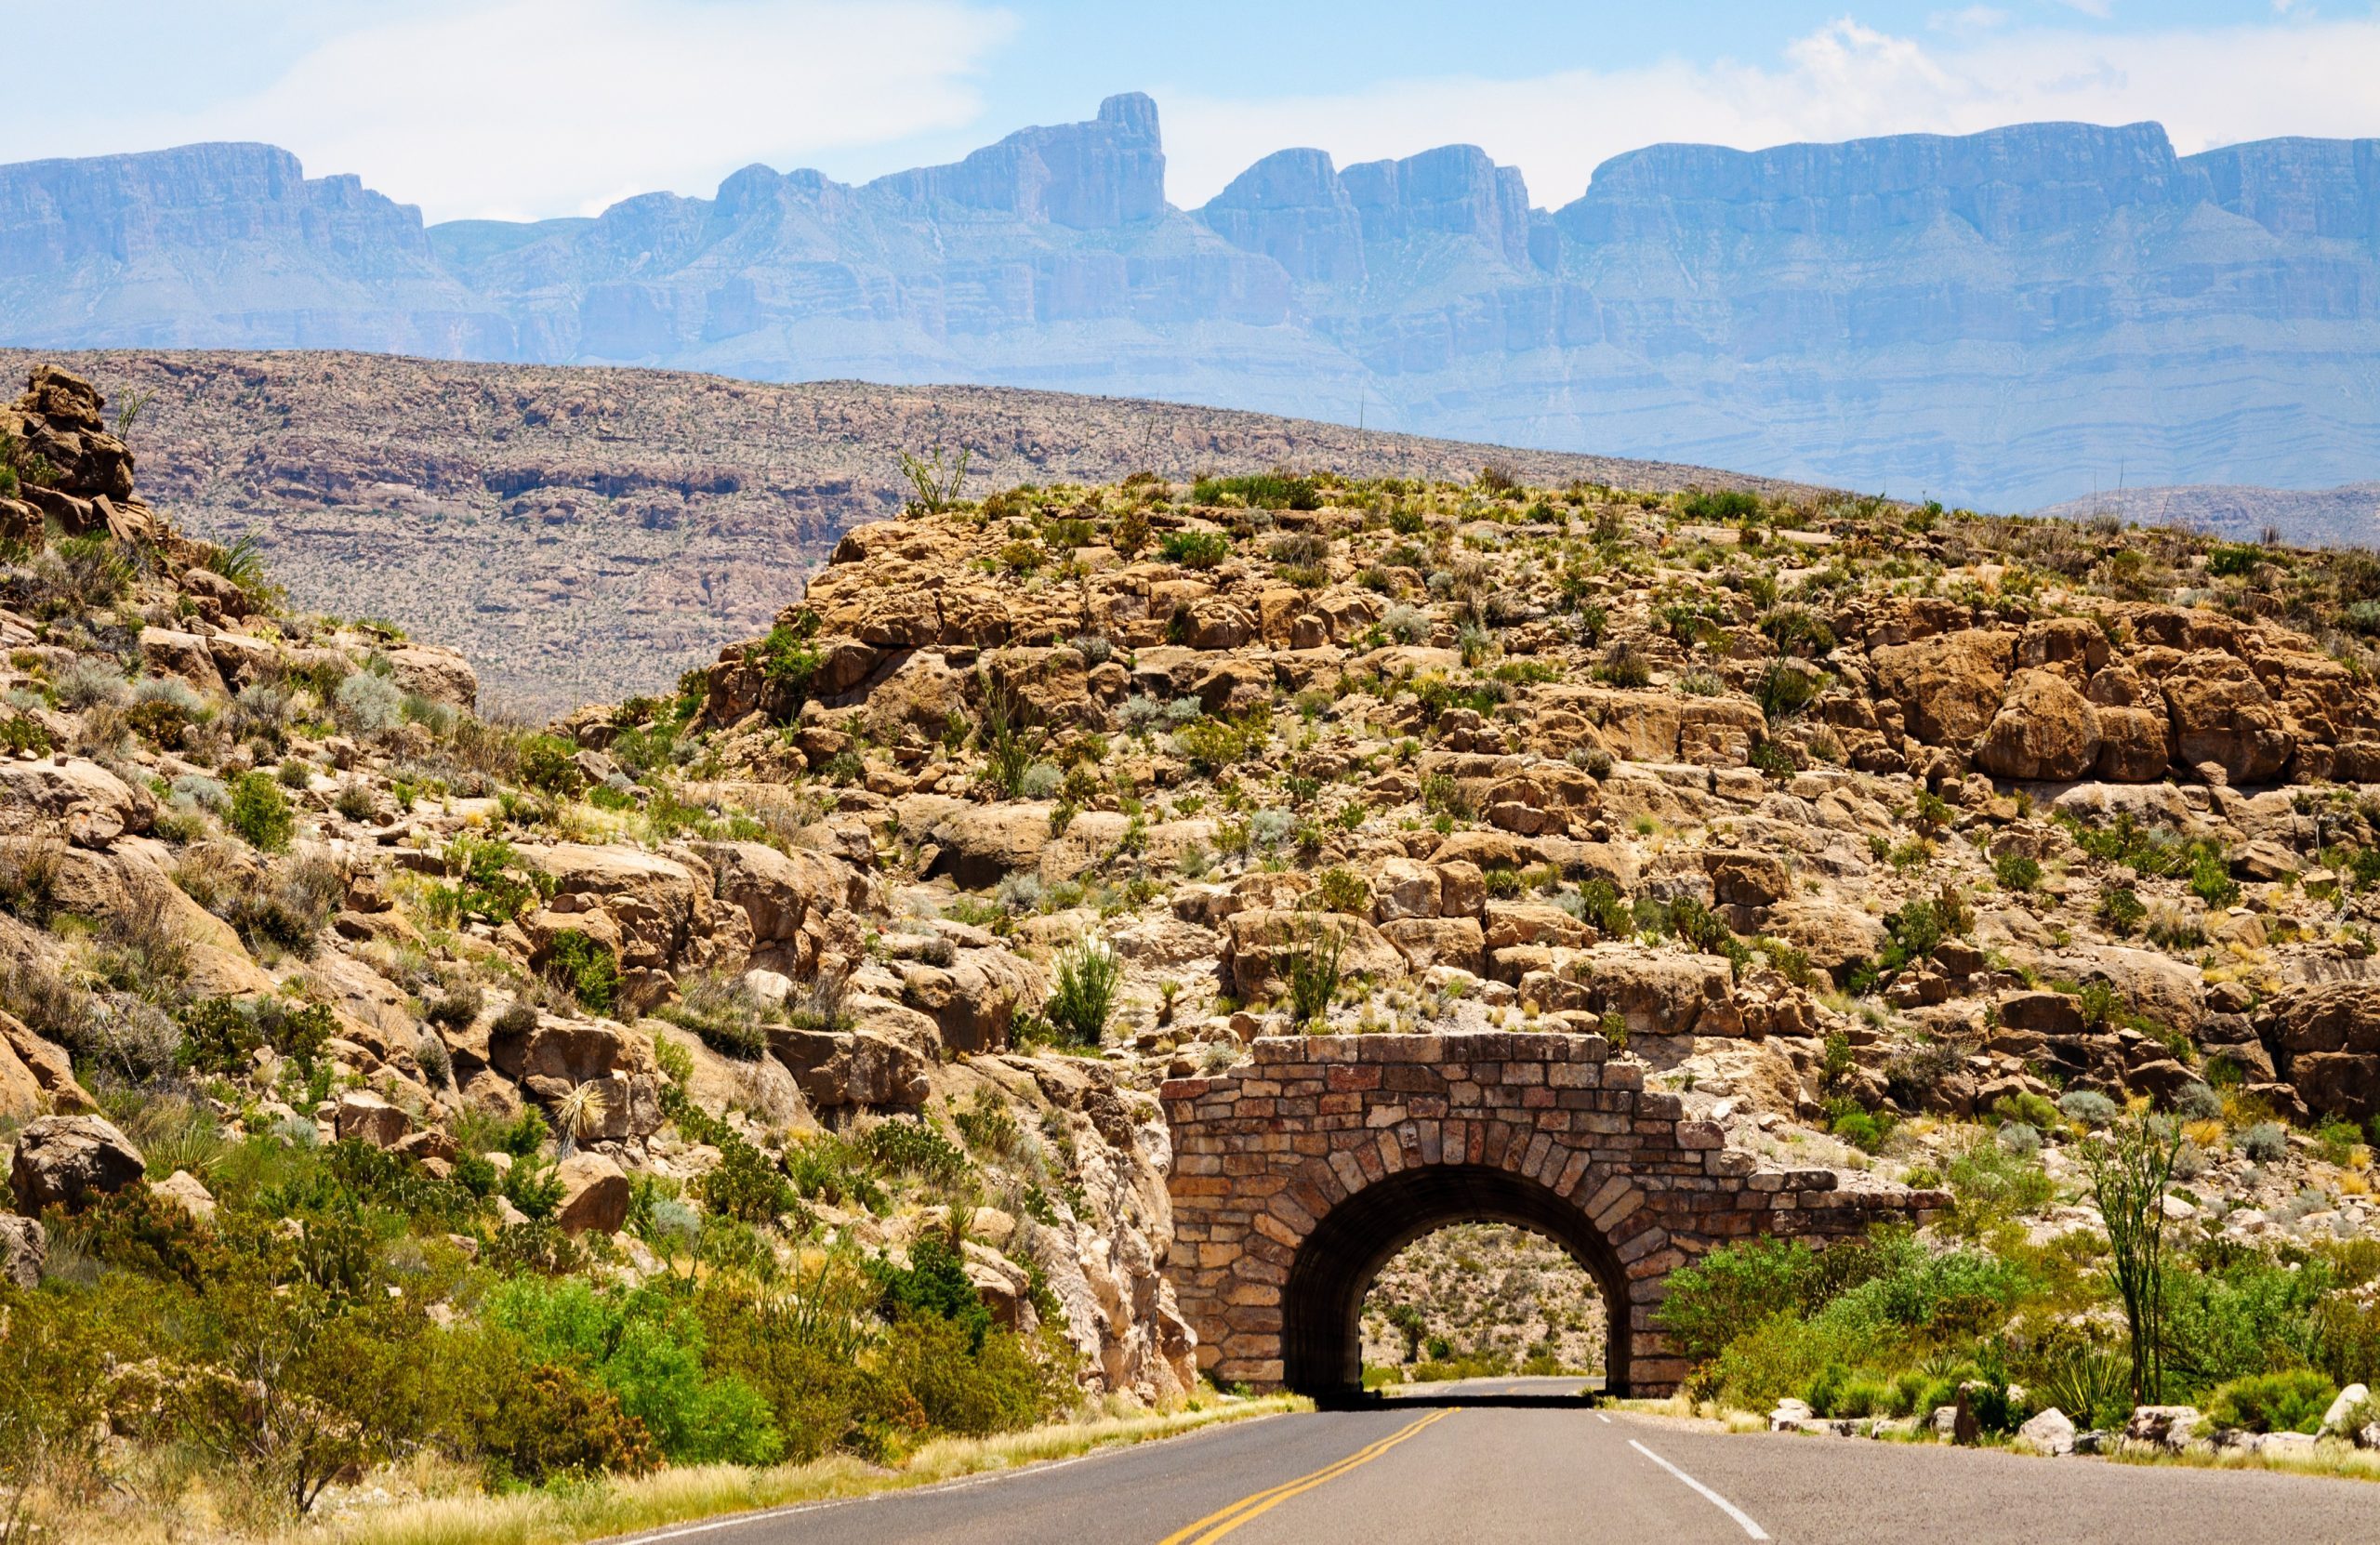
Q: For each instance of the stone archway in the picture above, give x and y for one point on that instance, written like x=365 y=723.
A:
x=1298 y=1172
x=1339 y=1259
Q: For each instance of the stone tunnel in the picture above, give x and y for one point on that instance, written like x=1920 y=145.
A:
x=1299 y=1173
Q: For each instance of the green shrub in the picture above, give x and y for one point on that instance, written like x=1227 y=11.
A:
x=747 y=1185
x=1313 y=970
x=2016 y=871
x=529 y=1425
x=914 y=1148
x=2121 y=910
x=645 y=1345
x=2267 y=1142
x=1343 y=890
x=260 y=813
x=1713 y=1302
x=2291 y=1401
x=1260 y=491
x=587 y=966
x=1194 y=550
x=934 y=1283
x=549 y=764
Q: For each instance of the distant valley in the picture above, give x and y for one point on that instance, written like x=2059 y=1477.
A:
x=2001 y=320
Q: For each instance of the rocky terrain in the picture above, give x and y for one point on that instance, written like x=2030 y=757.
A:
x=587 y=534
x=1482 y=1297
x=1888 y=839
x=1990 y=319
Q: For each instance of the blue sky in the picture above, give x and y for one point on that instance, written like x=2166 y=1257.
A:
x=527 y=108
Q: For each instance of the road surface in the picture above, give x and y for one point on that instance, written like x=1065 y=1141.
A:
x=1519 y=1461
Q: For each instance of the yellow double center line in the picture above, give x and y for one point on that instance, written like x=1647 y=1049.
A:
x=1217 y=1525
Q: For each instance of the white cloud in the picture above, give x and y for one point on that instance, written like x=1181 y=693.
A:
x=2210 y=86
x=540 y=106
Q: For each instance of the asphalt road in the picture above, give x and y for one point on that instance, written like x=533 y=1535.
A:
x=1517 y=1460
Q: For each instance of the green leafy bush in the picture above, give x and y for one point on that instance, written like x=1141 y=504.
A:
x=549 y=764
x=587 y=966
x=2291 y=1401
x=260 y=813
x=645 y=1346
x=1194 y=550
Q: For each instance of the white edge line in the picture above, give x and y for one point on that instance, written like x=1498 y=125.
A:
x=964 y=1483
x=1605 y=1419
x=1712 y=1497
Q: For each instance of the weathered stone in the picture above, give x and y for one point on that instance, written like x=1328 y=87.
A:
x=69 y=1160
x=366 y=1118
x=2045 y=730
x=595 y=1195
x=25 y=1249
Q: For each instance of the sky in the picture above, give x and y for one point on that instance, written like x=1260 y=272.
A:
x=526 y=109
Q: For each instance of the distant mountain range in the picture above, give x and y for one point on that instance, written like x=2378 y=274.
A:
x=1999 y=319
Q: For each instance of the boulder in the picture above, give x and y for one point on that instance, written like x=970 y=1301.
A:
x=85 y=801
x=2044 y=732
x=1746 y=878
x=2135 y=745
x=2339 y=1418
x=974 y=999
x=2224 y=717
x=442 y=675
x=1427 y=941
x=66 y=1160
x=851 y=1067
x=184 y=656
x=1403 y=888
x=1258 y=944
x=595 y=1195
x=2169 y=1427
x=25 y=1249
x=1949 y=686
x=364 y=1116
x=2048 y=1432
x=801 y=906
x=982 y=845
x=187 y=1191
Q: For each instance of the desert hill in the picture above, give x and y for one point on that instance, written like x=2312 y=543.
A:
x=584 y=534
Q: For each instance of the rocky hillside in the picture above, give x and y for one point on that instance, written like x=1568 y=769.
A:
x=587 y=534
x=1481 y=1298
x=1991 y=318
x=826 y=993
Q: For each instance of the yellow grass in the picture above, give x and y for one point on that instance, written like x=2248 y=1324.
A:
x=618 y=1507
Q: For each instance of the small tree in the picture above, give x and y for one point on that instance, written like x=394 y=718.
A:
x=2131 y=1164
x=936 y=485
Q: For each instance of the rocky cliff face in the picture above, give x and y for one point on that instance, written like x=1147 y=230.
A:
x=1989 y=318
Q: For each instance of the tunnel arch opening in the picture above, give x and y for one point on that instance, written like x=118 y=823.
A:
x=1334 y=1267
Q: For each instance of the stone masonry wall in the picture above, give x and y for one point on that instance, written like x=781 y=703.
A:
x=1265 y=1152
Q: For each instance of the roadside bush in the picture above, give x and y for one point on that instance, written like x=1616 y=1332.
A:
x=2086 y=1109
x=2266 y=1142
x=2290 y=1401
x=646 y=1348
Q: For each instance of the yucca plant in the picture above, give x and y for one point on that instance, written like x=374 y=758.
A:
x=1084 y=999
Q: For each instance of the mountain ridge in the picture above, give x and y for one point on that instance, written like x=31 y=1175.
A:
x=1991 y=318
